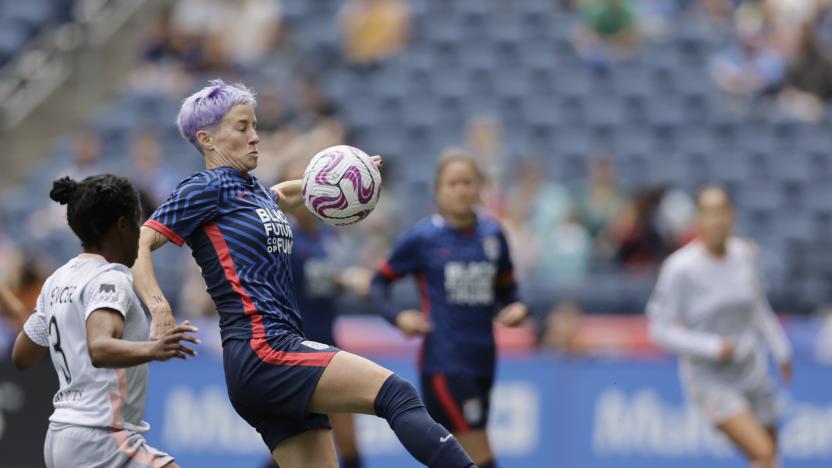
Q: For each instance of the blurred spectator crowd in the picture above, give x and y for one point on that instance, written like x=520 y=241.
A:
x=575 y=180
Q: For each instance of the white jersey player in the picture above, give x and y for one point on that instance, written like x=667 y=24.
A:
x=709 y=306
x=91 y=322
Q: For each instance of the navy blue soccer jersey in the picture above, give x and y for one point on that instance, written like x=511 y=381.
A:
x=464 y=278
x=314 y=276
x=243 y=244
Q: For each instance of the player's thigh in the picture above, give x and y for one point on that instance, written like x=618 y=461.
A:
x=308 y=449
x=349 y=384
x=343 y=428
x=749 y=436
x=476 y=444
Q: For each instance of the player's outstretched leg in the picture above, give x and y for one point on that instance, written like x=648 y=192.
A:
x=352 y=384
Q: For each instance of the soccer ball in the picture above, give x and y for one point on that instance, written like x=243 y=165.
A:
x=341 y=185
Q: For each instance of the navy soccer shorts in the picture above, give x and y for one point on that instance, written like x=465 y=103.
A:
x=459 y=403
x=271 y=380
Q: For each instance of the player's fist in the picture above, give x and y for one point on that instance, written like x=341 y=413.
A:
x=171 y=345
x=377 y=161
x=412 y=323
x=513 y=314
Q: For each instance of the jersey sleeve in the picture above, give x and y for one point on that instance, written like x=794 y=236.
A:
x=36 y=327
x=667 y=329
x=191 y=205
x=506 y=285
x=405 y=258
x=110 y=290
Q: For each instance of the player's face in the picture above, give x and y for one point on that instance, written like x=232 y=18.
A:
x=458 y=189
x=716 y=217
x=129 y=230
x=236 y=140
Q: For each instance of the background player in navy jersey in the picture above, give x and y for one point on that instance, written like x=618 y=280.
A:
x=280 y=383
x=463 y=267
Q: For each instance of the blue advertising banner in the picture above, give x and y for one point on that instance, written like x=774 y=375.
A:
x=547 y=412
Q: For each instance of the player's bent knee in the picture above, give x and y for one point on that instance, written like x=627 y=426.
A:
x=395 y=397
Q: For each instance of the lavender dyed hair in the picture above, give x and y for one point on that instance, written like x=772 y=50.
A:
x=206 y=107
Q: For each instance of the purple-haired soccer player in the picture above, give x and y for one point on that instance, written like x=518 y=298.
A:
x=280 y=383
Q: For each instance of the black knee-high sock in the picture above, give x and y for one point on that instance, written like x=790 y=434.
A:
x=354 y=463
x=427 y=441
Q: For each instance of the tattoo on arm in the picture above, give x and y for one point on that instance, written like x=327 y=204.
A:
x=158 y=299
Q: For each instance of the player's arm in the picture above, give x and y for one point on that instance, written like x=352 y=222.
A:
x=769 y=327
x=410 y=322
x=146 y=284
x=289 y=194
x=104 y=332
x=666 y=326
x=11 y=307
x=512 y=312
x=32 y=343
x=404 y=259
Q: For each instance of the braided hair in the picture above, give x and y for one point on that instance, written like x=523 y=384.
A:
x=95 y=204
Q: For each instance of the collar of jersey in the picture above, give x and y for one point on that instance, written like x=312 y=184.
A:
x=439 y=221
x=236 y=173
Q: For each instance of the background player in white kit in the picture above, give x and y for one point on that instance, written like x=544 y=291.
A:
x=91 y=322
x=709 y=307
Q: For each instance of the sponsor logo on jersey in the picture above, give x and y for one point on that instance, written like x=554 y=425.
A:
x=314 y=345
x=470 y=283
x=278 y=231
x=107 y=288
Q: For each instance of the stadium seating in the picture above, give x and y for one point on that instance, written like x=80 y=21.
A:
x=21 y=21
x=657 y=112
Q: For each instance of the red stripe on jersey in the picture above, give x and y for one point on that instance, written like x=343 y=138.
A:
x=440 y=386
x=282 y=358
x=258 y=332
x=387 y=271
x=166 y=231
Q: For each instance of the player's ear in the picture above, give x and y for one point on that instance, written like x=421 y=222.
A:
x=205 y=139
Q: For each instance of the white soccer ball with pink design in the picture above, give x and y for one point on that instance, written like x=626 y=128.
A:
x=341 y=185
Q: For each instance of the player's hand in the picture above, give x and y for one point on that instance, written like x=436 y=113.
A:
x=786 y=371
x=412 y=323
x=377 y=161
x=727 y=351
x=171 y=344
x=162 y=323
x=513 y=314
